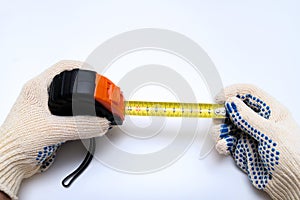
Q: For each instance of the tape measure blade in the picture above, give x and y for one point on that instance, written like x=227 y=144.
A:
x=174 y=109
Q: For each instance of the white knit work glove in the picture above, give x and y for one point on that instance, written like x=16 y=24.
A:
x=31 y=135
x=262 y=138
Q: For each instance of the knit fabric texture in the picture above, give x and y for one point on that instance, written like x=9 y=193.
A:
x=31 y=135
x=263 y=139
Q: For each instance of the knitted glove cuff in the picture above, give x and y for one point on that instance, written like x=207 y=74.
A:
x=283 y=188
x=285 y=183
x=13 y=166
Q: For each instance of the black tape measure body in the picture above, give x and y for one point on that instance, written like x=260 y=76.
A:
x=71 y=93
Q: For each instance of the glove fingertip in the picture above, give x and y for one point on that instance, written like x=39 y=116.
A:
x=222 y=148
x=93 y=127
x=219 y=131
x=79 y=127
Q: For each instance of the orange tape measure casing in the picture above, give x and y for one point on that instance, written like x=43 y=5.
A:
x=109 y=95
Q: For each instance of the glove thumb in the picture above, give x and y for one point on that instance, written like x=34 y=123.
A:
x=248 y=120
x=78 y=127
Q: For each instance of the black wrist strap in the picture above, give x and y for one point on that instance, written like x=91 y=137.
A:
x=67 y=182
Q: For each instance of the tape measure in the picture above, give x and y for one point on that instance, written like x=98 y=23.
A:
x=84 y=92
x=83 y=89
x=174 y=109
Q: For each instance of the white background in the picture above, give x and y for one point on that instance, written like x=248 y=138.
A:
x=255 y=42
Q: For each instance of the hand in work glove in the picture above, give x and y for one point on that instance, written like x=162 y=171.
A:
x=262 y=138
x=31 y=135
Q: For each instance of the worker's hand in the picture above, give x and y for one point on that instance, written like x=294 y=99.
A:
x=31 y=135
x=262 y=138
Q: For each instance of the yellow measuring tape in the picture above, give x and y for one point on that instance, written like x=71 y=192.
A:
x=174 y=109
